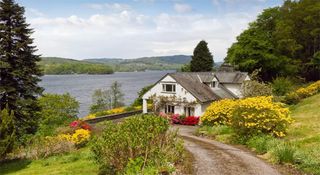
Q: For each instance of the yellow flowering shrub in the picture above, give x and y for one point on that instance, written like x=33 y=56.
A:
x=295 y=97
x=249 y=116
x=79 y=137
x=260 y=115
x=219 y=112
x=90 y=116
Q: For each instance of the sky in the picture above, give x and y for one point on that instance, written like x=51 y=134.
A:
x=81 y=29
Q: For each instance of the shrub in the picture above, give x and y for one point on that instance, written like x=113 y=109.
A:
x=145 y=136
x=260 y=143
x=42 y=147
x=284 y=153
x=218 y=113
x=57 y=110
x=281 y=86
x=292 y=98
x=7 y=132
x=80 y=137
x=301 y=93
x=257 y=115
x=254 y=88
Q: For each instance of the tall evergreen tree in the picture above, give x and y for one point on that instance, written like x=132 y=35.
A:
x=202 y=59
x=19 y=73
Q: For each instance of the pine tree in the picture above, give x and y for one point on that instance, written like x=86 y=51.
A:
x=202 y=59
x=7 y=132
x=19 y=73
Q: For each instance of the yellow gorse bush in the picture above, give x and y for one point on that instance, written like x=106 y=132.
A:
x=219 y=112
x=249 y=116
x=310 y=90
x=90 y=116
x=79 y=137
x=304 y=92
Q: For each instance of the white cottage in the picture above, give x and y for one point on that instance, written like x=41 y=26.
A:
x=190 y=93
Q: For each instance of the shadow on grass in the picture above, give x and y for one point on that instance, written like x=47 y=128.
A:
x=12 y=166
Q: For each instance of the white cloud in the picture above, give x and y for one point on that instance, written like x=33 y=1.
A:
x=109 y=6
x=182 y=8
x=127 y=34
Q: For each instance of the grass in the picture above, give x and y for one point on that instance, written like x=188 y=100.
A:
x=78 y=162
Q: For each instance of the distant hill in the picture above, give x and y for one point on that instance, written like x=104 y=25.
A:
x=145 y=63
x=55 y=65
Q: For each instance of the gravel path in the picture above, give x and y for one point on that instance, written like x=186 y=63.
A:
x=215 y=158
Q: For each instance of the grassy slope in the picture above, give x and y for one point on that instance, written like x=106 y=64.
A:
x=74 y=163
x=305 y=131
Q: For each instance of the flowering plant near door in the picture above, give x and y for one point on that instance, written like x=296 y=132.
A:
x=181 y=119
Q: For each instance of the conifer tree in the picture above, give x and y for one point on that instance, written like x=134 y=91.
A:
x=7 y=132
x=202 y=59
x=19 y=73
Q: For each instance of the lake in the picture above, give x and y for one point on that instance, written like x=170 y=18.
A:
x=82 y=86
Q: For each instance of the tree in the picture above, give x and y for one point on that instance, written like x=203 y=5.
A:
x=202 y=59
x=7 y=132
x=282 y=42
x=107 y=99
x=56 y=111
x=185 y=68
x=138 y=101
x=19 y=72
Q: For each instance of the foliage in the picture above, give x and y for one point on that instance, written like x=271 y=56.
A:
x=260 y=143
x=67 y=66
x=222 y=133
x=138 y=101
x=80 y=137
x=202 y=59
x=281 y=86
x=107 y=99
x=249 y=116
x=144 y=136
x=284 y=153
x=283 y=41
x=19 y=73
x=219 y=112
x=7 y=132
x=181 y=119
x=258 y=115
x=254 y=88
x=301 y=93
x=43 y=147
x=186 y=68
x=56 y=111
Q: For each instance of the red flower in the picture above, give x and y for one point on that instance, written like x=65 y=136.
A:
x=86 y=126
x=74 y=124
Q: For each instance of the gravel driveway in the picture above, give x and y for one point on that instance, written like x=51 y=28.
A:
x=215 y=158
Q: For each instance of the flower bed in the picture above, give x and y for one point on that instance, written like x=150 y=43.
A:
x=181 y=119
x=301 y=93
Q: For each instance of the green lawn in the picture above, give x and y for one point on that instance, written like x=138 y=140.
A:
x=78 y=162
x=305 y=132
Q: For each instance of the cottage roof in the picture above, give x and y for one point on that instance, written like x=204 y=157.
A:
x=194 y=83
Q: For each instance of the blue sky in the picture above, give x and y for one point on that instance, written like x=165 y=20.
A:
x=135 y=28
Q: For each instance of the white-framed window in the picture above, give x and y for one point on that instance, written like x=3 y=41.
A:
x=169 y=109
x=168 y=87
x=189 y=111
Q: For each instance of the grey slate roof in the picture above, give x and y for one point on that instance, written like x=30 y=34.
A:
x=193 y=82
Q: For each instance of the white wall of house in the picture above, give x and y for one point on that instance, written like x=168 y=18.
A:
x=180 y=91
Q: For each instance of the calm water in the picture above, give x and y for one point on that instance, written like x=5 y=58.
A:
x=82 y=86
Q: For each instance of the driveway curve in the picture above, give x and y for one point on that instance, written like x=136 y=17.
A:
x=215 y=158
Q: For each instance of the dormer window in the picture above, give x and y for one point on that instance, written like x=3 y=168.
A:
x=213 y=84
x=168 y=87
